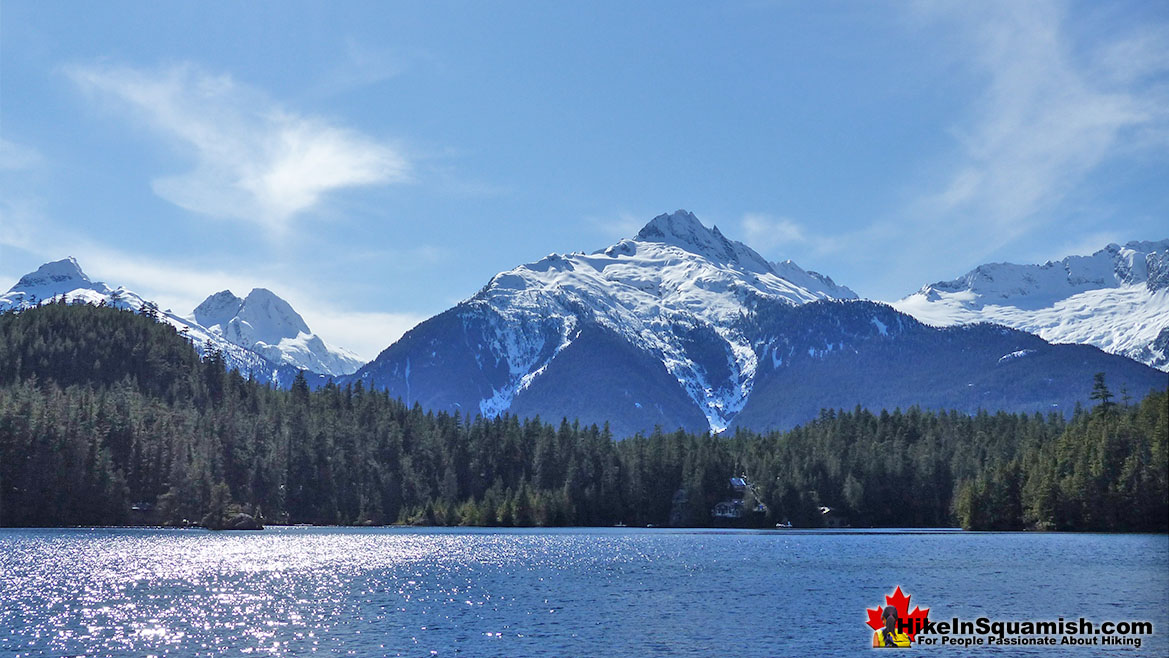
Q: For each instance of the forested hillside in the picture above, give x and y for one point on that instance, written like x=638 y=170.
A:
x=102 y=411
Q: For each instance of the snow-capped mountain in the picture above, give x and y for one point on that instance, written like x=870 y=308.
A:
x=681 y=327
x=267 y=325
x=275 y=355
x=1116 y=299
x=673 y=292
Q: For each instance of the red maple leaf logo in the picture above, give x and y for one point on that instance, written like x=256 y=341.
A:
x=907 y=620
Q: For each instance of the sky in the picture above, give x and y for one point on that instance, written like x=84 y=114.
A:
x=374 y=163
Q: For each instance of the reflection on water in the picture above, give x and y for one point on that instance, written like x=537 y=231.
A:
x=296 y=591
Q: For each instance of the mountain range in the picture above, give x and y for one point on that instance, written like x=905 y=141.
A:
x=680 y=326
x=1116 y=299
x=259 y=335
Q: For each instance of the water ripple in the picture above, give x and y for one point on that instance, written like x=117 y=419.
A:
x=407 y=592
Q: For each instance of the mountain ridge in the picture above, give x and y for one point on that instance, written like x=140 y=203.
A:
x=652 y=329
x=1116 y=299
x=275 y=362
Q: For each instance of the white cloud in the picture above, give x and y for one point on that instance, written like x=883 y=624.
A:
x=1056 y=102
x=254 y=159
x=1046 y=119
x=18 y=157
x=766 y=233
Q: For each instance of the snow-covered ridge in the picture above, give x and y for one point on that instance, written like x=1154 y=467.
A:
x=1116 y=299
x=268 y=325
x=255 y=335
x=675 y=281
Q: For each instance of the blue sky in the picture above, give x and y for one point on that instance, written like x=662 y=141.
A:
x=374 y=163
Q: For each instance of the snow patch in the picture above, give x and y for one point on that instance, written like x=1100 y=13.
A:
x=1015 y=355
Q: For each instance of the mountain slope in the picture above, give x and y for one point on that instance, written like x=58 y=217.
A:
x=267 y=325
x=1116 y=299
x=266 y=362
x=672 y=294
x=680 y=327
x=830 y=355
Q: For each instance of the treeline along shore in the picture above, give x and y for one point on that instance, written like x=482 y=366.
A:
x=108 y=417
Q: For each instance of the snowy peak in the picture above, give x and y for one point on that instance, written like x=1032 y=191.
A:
x=218 y=309
x=682 y=229
x=269 y=318
x=55 y=278
x=1116 y=299
x=266 y=324
x=678 y=291
x=1113 y=266
x=261 y=317
x=259 y=335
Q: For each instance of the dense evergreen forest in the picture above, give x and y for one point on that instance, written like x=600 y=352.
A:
x=108 y=417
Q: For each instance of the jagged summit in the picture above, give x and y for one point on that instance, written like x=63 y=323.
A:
x=260 y=335
x=218 y=309
x=266 y=324
x=683 y=230
x=55 y=278
x=680 y=227
x=681 y=327
x=678 y=291
x=1137 y=262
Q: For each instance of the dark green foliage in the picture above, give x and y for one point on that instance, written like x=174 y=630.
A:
x=102 y=411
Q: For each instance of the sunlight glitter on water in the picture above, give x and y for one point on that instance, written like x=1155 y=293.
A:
x=295 y=591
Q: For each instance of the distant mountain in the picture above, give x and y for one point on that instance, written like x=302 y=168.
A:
x=261 y=336
x=681 y=327
x=267 y=325
x=1116 y=299
x=838 y=355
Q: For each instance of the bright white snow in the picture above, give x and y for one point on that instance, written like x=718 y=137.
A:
x=1116 y=299
x=674 y=278
x=263 y=325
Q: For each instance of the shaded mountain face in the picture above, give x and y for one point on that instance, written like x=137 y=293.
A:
x=832 y=355
x=1116 y=299
x=261 y=336
x=671 y=297
x=681 y=327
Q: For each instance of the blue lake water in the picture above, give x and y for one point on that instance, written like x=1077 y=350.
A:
x=571 y=592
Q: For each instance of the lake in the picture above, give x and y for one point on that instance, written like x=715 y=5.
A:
x=554 y=592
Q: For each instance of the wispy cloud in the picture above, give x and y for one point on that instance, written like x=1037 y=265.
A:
x=360 y=64
x=1082 y=245
x=767 y=233
x=1051 y=113
x=364 y=333
x=1055 y=104
x=254 y=159
x=18 y=157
